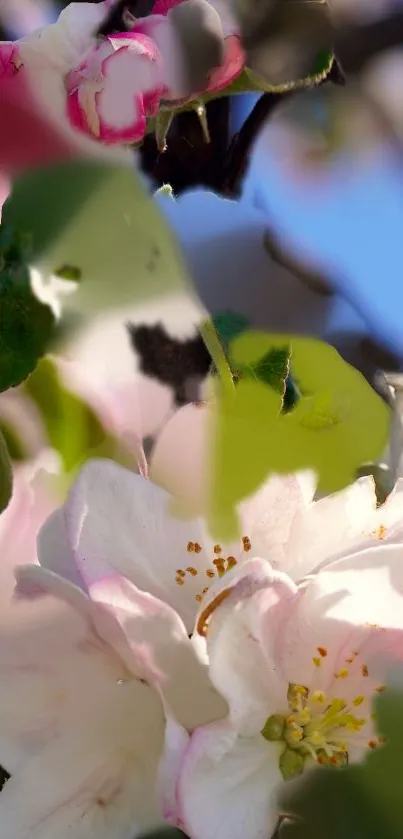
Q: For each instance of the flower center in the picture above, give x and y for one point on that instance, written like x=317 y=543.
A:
x=217 y=567
x=315 y=728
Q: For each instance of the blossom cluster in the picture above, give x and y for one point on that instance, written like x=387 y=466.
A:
x=175 y=679
x=108 y=87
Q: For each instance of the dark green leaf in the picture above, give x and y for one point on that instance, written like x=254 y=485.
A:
x=229 y=325
x=26 y=324
x=14 y=444
x=6 y=475
x=272 y=369
x=69 y=272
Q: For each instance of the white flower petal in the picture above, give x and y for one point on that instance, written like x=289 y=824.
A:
x=330 y=526
x=54 y=551
x=119 y=521
x=227 y=785
x=94 y=781
x=352 y=610
x=65 y=44
x=181 y=462
x=242 y=667
x=53 y=668
x=175 y=745
x=159 y=641
x=267 y=516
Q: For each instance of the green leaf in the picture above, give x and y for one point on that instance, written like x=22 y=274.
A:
x=229 y=325
x=26 y=324
x=363 y=801
x=72 y=427
x=272 y=369
x=338 y=423
x=13 y=442
x=100 y=220
x=6 y=475
x=69 y=272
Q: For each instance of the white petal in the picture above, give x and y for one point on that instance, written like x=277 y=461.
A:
x=53 y=668
x=65 y=44
x=267 y=517
x=242 y=667
x=94 y=781
x=175 y=745
x=330 y=526
x=118 y=520
x=54 y=551
x=181 y=463
x=227 y=785
x=159 y=642
x=353 y=610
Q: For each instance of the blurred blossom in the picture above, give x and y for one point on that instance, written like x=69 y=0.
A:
x=36 y=494
x=381 y=83
x=123 y=79
x=18 y=17
x=107 y=89
x=33 y=95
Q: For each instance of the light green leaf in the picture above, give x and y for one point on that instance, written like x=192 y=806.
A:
x=100 y=220
x=73 y=429
x=338 y=424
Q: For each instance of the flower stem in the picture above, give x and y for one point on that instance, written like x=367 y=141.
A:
x=213 y=344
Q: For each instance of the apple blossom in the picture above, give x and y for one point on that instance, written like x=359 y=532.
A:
x=299 y=667
x=119 y=85
x=102 y=669
x=33 y=94
x=160 y=27
x=115 y=519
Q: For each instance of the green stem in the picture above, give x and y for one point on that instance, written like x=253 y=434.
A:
x=212 y=342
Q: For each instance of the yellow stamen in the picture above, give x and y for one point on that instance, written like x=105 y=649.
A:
x=318 y=696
